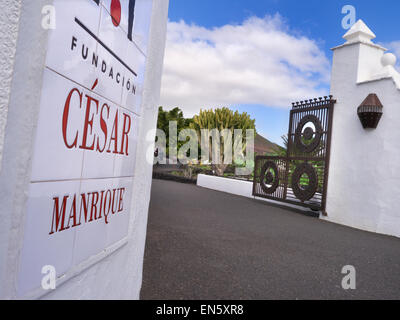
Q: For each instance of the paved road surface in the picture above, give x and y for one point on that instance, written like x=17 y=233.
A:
x=203 y=244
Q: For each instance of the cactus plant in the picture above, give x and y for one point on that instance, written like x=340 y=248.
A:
x=225 y=121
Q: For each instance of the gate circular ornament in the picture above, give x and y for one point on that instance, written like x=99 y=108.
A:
x=267 y=177
x=308 y=134
x=304 y=193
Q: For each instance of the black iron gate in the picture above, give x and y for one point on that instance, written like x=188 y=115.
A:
x=301 y=176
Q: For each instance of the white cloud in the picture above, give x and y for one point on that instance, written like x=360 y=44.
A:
x=258 y=62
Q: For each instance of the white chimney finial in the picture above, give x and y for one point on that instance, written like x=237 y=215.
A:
x=359 y=32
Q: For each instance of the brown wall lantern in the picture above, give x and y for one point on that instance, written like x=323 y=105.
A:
x=370 y=111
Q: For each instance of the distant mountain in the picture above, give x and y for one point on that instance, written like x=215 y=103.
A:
x=263 y=145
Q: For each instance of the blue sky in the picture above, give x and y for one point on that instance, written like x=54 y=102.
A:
x=317 y=20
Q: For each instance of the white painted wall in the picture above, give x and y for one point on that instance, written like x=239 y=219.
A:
x=237 y=187
x=364 y=176
x=9 y=22
x=115 y=276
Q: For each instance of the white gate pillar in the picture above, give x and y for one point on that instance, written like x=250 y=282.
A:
x=364 y=174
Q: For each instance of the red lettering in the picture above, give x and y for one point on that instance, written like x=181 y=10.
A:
x=89 y=123
x=108 y=193
x=96 y=126
x=121 y=195
x=114 y=135
x=101 y=203
x=125 y=133
x=85 y=206
x=103 y=126
x=58 y=215
x=110 y=200
x=65 y=118
x=72 y=213
x=114 y=199
x=94 y=206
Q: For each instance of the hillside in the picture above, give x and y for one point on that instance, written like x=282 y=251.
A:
x=263 y=145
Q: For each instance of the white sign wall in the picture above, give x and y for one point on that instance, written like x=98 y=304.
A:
x=86 y=136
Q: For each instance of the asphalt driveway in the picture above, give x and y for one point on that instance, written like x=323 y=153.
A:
x=204 y=244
